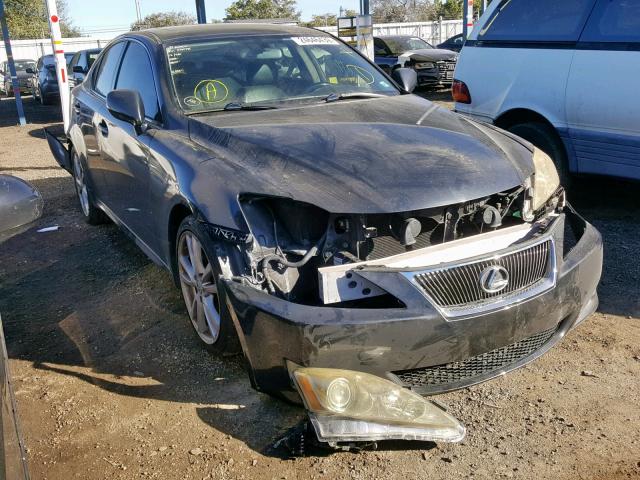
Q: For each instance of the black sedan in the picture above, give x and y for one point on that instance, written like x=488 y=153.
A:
x=44 y=80
x=434 y=66
x=360 y=245
x=454 y=43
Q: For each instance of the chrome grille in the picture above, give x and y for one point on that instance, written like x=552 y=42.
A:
x=458 y=290
x=474 y=367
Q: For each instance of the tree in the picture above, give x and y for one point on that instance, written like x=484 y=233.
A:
x=164 y=19
x=391 y=11
x=28 y=19
x=263 y=9
x=325 y=20
x=449 y=9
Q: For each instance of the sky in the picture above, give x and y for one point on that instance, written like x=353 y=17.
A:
x=96 y=17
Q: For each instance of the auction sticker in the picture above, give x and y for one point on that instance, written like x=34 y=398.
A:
x=315 y=41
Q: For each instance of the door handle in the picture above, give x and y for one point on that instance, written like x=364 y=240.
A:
x=104 y=128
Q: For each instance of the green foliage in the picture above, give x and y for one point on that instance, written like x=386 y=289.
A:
x=263 y=9
x=28 y=19
x=164 y=19
x=325 y=20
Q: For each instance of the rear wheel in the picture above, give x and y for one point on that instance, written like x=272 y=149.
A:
x=92 y=214
x=546 y=139
x=198 y=270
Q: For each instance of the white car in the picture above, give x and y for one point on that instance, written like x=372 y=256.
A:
x=564 y=75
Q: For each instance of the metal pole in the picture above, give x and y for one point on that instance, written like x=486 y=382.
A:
x=365 y=7
x=61 y=62
x=138 y=11
x=467 y=20
x=12 y=66
x=201 y=11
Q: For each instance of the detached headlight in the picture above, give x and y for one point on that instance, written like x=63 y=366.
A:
x=352 y=406
x=545 y=180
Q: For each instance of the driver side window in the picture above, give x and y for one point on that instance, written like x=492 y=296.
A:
x=106 y=73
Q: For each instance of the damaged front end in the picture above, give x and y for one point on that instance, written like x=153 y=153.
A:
x=359 y=315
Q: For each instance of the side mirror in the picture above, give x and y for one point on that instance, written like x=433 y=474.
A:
x=20 y=205
x=78 y=69
x=30 y=71
x=126 y=105
x=407 y=78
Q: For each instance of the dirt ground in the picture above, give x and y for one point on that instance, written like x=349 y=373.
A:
x=111 y=382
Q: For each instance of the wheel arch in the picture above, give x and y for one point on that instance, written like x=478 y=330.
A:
x=178 y=213
x=517 y=116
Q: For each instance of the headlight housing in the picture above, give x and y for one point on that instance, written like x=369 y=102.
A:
x=545 y=180
x=346 y=405
x=425 y=66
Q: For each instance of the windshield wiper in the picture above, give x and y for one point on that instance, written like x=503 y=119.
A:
x=239 y=106
x=335 y=97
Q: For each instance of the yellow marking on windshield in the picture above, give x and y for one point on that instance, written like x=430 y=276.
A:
x=211 y=91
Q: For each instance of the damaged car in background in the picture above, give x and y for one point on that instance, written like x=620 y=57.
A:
x=363 y=247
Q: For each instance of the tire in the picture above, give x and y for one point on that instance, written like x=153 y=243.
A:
x=546 y=139
x=198 y=272
x=92 y=214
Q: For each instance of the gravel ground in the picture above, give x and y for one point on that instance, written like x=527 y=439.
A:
x=111 y=383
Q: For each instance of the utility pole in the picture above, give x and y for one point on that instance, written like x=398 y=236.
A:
x=61 y=62
x=138 y=11
x=12 y=66
x=201 y=12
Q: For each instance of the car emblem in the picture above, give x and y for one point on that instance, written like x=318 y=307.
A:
x=494 y=279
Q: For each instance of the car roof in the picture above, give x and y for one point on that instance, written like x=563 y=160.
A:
x=171 y=34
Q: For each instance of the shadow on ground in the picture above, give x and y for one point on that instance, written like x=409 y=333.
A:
x=34 y=112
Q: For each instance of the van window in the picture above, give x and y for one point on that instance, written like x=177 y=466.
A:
x=537 y=21
x=614 y=21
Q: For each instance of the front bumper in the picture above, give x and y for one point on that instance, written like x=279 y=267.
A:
x=399 y=344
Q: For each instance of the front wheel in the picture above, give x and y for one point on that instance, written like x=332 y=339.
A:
x=546 y=139
x=198 y=272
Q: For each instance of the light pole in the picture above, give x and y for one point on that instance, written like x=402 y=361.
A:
x=138 y=11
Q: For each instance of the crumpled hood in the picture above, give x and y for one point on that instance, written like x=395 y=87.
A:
x=395 y=154
x=430 y=55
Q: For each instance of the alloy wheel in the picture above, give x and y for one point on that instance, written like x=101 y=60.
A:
x=81 y=186
x=199 y=288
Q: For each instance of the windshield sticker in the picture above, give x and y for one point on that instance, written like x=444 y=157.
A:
x=191 y=101
x=362 y=75
x=302 y=41
x=211 y=91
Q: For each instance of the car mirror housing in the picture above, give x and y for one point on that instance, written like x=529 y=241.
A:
x=20 y=205
x=126 y=105
x=30 y=71
x=78 y=69
x=407 y=78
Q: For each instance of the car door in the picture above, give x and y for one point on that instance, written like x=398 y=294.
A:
x=125 y=148
x=87 y=103
x=602 y=99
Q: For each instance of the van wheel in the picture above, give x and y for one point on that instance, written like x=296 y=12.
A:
x=92 y=214
x=198 y=272
x=546 y=139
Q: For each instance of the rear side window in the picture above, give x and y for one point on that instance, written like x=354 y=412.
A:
x=106 y=74
x=136 y=74
x=614 y=21
x=537 y=21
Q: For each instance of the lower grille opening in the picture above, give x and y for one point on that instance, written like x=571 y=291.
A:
x=477 y=366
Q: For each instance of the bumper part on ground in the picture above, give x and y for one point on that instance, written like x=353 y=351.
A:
x=347 y=406
x=420 y=346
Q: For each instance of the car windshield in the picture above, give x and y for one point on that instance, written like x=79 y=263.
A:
x=271 y=70
x=22 y=65
x=50 y=60
x=399 y=45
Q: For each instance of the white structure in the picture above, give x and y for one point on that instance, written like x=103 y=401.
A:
x=34 y=49
x=432 y=32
